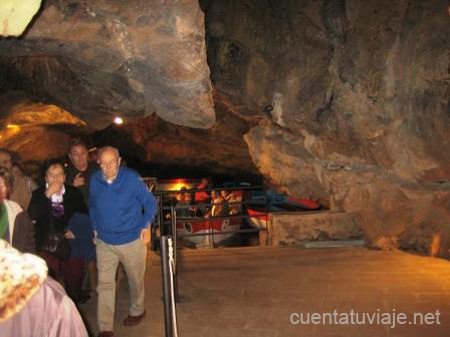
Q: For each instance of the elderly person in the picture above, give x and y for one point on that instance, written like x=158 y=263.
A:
x=15 y=224
x=122 y=210
x=23 y=185
x=52 y=207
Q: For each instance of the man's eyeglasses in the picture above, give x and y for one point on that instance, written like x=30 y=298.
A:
x=112 y=163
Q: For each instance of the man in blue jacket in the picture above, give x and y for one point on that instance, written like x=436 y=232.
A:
x=121 y=210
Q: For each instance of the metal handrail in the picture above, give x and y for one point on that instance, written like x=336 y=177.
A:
x=251 y=230
x=208 y=204
x=195 y=190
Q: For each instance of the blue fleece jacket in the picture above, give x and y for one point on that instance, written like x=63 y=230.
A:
x=120 y=210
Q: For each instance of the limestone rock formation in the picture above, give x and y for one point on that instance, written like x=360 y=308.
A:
x=103 y=58
x=355 y=99
x=35 y=131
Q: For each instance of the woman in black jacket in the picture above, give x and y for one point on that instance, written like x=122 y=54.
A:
x=53 y=205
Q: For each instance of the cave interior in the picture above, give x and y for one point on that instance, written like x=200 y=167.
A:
x=343 y=102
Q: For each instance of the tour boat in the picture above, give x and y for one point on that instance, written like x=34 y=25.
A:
x=208 y=231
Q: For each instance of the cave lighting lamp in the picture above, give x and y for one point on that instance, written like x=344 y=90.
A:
x=179 y=186
x=13 y=127
x=118 y=120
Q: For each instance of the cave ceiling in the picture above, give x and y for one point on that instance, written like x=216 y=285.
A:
x=343 y=101
x=99 y=59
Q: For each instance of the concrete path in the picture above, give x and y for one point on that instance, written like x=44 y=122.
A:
x=253 y=292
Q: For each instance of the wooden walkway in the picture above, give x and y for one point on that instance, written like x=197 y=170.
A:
x=253 y=292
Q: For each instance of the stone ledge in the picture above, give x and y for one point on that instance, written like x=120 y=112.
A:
x=299 y=227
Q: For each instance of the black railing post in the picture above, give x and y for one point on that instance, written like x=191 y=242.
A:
x=157 y=224
x=161 y=215
x=166 y=286
x=175 y=251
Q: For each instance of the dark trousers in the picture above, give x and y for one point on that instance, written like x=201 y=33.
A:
x=69 y=271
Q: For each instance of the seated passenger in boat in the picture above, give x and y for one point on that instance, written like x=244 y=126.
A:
x=181 y=206
x=219 y=206
x=184 y=206
x=233 y=200
x=201 y=198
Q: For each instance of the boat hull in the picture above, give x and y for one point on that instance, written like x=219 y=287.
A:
x=207 y=232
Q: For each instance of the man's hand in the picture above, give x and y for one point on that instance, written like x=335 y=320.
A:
x=145 y=235
x=69 y=235
x=79 y=180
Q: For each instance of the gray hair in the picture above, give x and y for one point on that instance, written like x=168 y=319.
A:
x=108 y=148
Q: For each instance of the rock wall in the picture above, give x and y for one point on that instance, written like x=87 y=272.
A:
x=297 y=228
x=103 y=58
x=355 y=100
x=34 y=131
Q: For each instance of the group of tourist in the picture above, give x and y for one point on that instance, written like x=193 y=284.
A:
x=85 y=219
x=219 y=203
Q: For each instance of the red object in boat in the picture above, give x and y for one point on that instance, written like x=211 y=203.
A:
x=257 y=214
x=257 y=219
x=306 y=203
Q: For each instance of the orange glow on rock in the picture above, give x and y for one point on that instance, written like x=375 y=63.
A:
x=13 y=127
x=435 y=245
